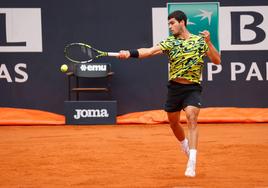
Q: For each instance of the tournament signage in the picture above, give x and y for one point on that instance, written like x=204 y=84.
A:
x=90 y=112
x=32 y=45
x=18 y=37
x=201 y=16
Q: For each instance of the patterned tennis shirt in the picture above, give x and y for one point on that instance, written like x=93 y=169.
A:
x=185 y=57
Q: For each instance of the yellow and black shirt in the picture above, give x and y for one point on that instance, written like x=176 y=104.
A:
x=185 y=57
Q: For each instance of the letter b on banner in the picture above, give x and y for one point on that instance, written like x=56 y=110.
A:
x=245 y=28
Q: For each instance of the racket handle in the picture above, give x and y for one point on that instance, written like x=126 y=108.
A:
x=114 y=54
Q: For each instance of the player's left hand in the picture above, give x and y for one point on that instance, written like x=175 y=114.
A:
x=206 y=35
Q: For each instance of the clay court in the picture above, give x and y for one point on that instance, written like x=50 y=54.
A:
x=120 y=156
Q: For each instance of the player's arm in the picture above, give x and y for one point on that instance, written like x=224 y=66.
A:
x=140 y=53
x=212 y=52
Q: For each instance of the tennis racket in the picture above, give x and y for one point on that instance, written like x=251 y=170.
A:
x=84 y=53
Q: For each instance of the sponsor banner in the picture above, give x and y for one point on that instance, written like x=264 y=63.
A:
x=33 y=36
x=90 y=112
x=200 y=17
x=21 y=30
x=240 y=27
x=244 y=28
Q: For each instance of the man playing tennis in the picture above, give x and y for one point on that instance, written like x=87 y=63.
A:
x=185 y=52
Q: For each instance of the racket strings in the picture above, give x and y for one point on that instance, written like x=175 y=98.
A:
x=82 y=53
x=87 y=51
x=90 y=53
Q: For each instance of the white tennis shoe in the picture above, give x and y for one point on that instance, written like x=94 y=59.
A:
x=190 y=170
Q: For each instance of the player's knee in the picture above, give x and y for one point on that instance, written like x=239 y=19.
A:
x=192 y=121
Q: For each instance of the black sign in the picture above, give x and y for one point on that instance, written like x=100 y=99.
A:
x=90 y=112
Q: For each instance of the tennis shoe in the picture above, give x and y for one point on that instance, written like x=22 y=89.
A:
x=190 y=170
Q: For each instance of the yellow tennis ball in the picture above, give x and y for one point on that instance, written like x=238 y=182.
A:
x=64 y=68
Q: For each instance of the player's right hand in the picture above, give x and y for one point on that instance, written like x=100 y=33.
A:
x=123 y=54
x=206 y=35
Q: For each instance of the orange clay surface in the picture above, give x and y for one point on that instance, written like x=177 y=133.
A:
x=145 y=156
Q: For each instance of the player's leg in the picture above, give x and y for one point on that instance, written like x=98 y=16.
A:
x=174 y=121
x=173 y=107
x=191 y=115
x=192 y=104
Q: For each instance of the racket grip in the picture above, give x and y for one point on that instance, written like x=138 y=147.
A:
x=114 y=54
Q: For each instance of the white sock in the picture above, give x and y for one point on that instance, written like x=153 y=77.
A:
x=192 y=156
x=184 y=142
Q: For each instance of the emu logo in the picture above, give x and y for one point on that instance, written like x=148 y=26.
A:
x=93 y=67
x=89 y=113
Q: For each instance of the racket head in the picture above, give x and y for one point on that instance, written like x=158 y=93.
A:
x=81 y=53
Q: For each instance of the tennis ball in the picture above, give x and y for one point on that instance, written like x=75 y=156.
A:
x=64 y=68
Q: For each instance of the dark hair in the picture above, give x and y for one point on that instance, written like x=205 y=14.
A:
x=179 y=16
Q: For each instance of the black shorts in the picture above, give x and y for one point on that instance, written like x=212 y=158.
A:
x=182 y=95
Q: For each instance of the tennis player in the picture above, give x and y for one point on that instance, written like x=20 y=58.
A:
x=185 y=52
